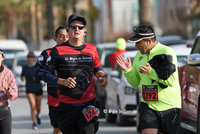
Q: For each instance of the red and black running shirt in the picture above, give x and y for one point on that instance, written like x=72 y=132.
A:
x=79 y=62
x=52 y=89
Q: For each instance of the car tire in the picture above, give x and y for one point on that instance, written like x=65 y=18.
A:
x=138 y=126
x=101 y=100
x=198 y=120
x=121 y=119
x=110 y=117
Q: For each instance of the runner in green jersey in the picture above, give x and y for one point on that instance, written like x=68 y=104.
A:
x=155 y=69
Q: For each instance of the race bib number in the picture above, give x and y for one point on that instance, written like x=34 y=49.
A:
x=90 y=112
x=150 y=93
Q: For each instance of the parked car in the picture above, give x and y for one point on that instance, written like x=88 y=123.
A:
x=182 y=51
x=171 y=40
x=8 y=60
x=19 y=61
x=104 y=50
x=13 y=46
x=190 y=90
x=121 y=98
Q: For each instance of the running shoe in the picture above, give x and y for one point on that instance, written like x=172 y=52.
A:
x=38 y=120
x=34 y=126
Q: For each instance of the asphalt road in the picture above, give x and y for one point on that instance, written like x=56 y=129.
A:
x=22 y=123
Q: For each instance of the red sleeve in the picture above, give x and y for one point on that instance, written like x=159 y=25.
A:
x=97 y=61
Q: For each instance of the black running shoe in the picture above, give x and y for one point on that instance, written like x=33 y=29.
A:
x=38 y=120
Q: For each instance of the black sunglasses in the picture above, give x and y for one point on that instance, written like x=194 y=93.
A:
x=80 y=27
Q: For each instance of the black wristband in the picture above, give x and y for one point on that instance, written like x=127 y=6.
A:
x=7 y=89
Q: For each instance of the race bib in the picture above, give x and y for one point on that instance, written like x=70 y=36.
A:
x=90 y=112
x=150 y=93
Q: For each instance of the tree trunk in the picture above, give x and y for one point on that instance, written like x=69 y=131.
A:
x=144 y=12
x=33 y=32
x=92 y=26
x=12 y=25
x=39 y=26
x=52 y=22
x=66 y=13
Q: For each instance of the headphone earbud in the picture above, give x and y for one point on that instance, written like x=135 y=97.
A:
x=85 y=33
x=67 y=30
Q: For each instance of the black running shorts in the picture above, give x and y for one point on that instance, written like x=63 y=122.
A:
x=37 y=92
x=53 y=116
x=70 y=118
x=167 y=122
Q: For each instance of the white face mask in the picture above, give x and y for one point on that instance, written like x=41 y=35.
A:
x=30 y=65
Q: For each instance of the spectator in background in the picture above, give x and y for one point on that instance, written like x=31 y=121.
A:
x=60 y=37
x=121 y=48
x=8 y=90
x=33 y=89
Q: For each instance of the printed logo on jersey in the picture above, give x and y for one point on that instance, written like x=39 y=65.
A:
x=49 y=58
x=140 y=58
x=78 y=59
x=40 y=58
x=90 y=95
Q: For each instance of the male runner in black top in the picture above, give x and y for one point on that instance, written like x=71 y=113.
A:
x=60 y=37
x=76 y=63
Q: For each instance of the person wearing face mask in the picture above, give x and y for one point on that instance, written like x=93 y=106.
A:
x=34 y=90
x=8 y=91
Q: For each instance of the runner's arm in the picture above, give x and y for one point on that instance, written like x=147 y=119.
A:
x=48 y=77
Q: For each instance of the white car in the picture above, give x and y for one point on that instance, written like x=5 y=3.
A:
x=104 y=50
x=121 y=98
x=13 y=46
x=19 y=61
x=8 y=60
x=181 y=50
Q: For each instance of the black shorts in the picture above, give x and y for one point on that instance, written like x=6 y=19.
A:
x=167 y=122
x=53 y=116
x=37 y=92
x=70 y=118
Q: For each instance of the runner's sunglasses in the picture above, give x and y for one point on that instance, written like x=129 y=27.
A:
x=80 y=27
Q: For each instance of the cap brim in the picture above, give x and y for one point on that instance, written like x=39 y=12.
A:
x=137 y=37
x=134 y=39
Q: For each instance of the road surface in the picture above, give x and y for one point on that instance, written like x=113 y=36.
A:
x=22 y=123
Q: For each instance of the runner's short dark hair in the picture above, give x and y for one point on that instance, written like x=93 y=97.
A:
x=58 y=29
